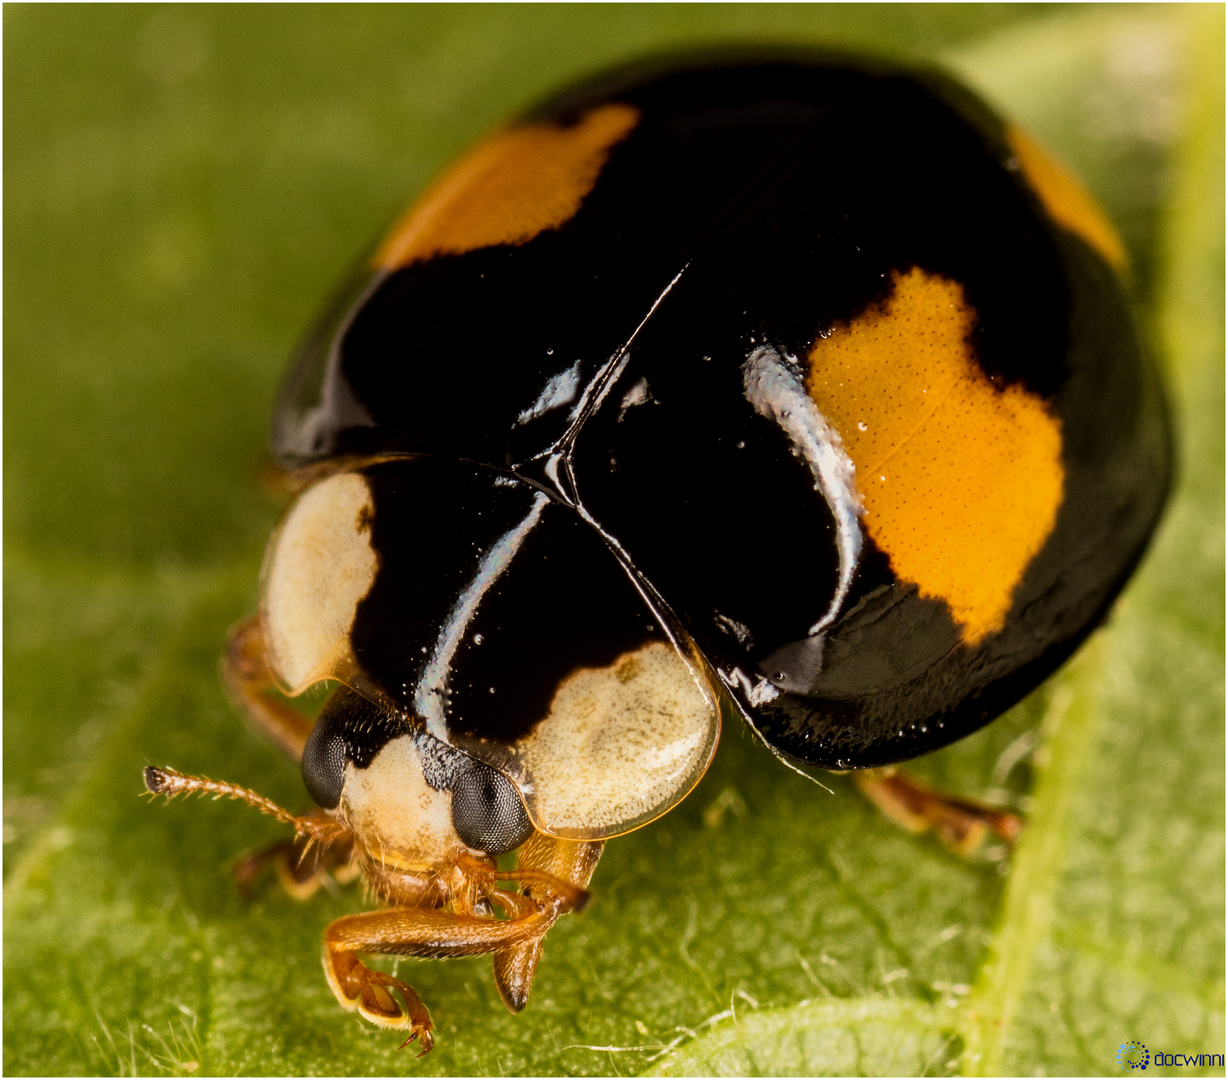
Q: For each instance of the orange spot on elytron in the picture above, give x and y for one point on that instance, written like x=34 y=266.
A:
x=961 y=482
x=1068 y=202
x=508 y=188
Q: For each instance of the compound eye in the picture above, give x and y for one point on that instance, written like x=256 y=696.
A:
x=349 y=730
x=324 y=760
x=487 y=812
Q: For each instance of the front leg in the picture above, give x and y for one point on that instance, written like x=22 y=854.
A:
x=302 y=865
x=253 y=690
x=413 y=932
x=567 y=863
x=356 y=986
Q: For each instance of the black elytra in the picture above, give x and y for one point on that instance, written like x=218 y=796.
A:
x=563 y=445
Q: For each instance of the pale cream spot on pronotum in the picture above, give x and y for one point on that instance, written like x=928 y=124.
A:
x=397 y=815
x=319 y=565
x=621 y=744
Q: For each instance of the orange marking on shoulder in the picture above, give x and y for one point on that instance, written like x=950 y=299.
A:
x=961 y=482
x=1068 y=202
x=509 y=188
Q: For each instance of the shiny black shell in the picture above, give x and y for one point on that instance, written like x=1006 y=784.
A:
x=754 y=204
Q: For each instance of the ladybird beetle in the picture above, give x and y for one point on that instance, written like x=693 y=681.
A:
x=802 y=389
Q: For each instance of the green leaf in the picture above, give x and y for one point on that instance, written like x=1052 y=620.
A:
x=182 y=188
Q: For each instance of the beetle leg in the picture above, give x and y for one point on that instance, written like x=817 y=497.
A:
x=516 y=967
x=546 y=863
x=249 y=866
x=571 y=861
x=415 y=932
x=532 y=879
x=302 y=867
x=514 y=972
x=356 y=986
x=250 y=684
x=961 y=824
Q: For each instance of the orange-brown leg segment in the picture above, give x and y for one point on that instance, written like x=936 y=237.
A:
x=569 y=861
x=356 y=986
x=961 y=824
x=515 y=967
x=514 y=972
x=250 y=684
x=301 y=865
x=413 y=932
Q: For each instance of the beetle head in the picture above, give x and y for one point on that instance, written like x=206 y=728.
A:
x=411 y=800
